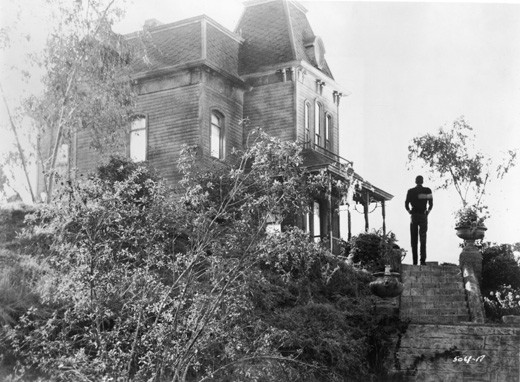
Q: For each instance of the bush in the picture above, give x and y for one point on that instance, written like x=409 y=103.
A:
x=12 y=218
x=142 y=286
x=502 y=302
x=373 y=250
x=500 y=282
x=499 y=267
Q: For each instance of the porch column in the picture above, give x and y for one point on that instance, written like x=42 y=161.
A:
x=366 y=204
x=330 y=214
x=383 y=212
x=349 y=225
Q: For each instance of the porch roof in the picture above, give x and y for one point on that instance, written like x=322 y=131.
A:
x=316 y=158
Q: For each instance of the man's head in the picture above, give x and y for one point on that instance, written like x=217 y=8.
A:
x=419 y=180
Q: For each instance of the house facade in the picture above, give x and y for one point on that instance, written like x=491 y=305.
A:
x=197 y=81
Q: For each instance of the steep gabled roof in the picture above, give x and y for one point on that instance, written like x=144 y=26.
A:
x=277 y=32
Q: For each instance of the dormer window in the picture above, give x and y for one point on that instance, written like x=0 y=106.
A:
x=315 y=51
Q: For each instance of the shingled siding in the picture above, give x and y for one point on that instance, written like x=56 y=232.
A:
x=222 y=50
x=266 y=35
x=167 y=45
x=271 y=107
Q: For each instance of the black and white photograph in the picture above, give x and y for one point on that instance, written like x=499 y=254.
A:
x=259 y=190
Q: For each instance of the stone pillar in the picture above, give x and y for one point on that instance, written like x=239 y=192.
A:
x=470 y=255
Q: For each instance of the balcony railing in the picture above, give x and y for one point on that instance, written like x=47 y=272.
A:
x=339 y=162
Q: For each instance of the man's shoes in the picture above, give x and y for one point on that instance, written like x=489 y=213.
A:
x=423 y=262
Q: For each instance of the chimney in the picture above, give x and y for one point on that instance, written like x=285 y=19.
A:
x=151 y=23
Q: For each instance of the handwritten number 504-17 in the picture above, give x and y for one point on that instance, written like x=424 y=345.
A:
x=469 y=358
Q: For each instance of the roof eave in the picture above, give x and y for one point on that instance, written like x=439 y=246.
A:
x=188 y=65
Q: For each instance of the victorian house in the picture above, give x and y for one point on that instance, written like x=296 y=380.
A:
x=196 y=81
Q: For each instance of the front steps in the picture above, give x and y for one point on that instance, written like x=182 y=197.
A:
x=433 y=294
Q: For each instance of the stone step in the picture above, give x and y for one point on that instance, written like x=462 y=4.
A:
x=406 y=304
x=448 y=298
x=436 y=312
x=438 y=319
x=430 y=272
x=434 y=285
x=431 y=280
x=407 y=269
x=432 y=292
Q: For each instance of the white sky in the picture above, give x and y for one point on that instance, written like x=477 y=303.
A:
x=411 y=67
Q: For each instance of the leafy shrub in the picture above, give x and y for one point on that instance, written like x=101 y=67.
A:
x=499 y=267
x=503 y=302
x=373 y=250
x=143 y=285
x=500 y=281
x=12 y=218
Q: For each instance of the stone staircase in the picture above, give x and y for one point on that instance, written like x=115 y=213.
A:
x=433 y=294
x=443 y=343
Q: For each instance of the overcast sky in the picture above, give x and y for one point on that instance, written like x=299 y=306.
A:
x=410 y=67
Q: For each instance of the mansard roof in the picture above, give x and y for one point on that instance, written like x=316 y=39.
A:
x=198 y=40
x=277 y=32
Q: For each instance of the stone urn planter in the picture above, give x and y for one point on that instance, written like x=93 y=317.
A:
x=470 y=234
x=470 y=253
x=387 y=284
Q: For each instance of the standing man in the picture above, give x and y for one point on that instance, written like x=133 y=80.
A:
x=419 y=198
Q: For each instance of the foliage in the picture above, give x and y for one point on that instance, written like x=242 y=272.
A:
x=86 y=84
x=382 y=340
x=142 y=285
x=502 y=302
x=470 y=216
x=499 y=267
x=12 y=220
x=500 y=281
x=21 y=283
x=373 y=250
x=450 y=157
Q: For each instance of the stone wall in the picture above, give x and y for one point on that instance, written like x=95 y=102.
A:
x=458 y=353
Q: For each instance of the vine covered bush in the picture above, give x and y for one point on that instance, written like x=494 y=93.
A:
x=144 y=285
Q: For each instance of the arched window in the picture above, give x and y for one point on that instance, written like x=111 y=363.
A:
x=317 y=124
x=306 y=123
x=328 y=127
x=217 y=135
x=138 y=138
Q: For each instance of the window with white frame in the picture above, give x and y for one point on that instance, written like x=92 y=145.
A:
x=316 y=221
x=328 y=126
x=307 y=122
x=317 y=124
x=138 y=138
x=217 y=135
x=312 y=221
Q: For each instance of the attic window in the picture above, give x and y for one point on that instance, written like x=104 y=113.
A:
x=315 y=51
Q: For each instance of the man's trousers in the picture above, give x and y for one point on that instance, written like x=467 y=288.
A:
x=418 y=229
